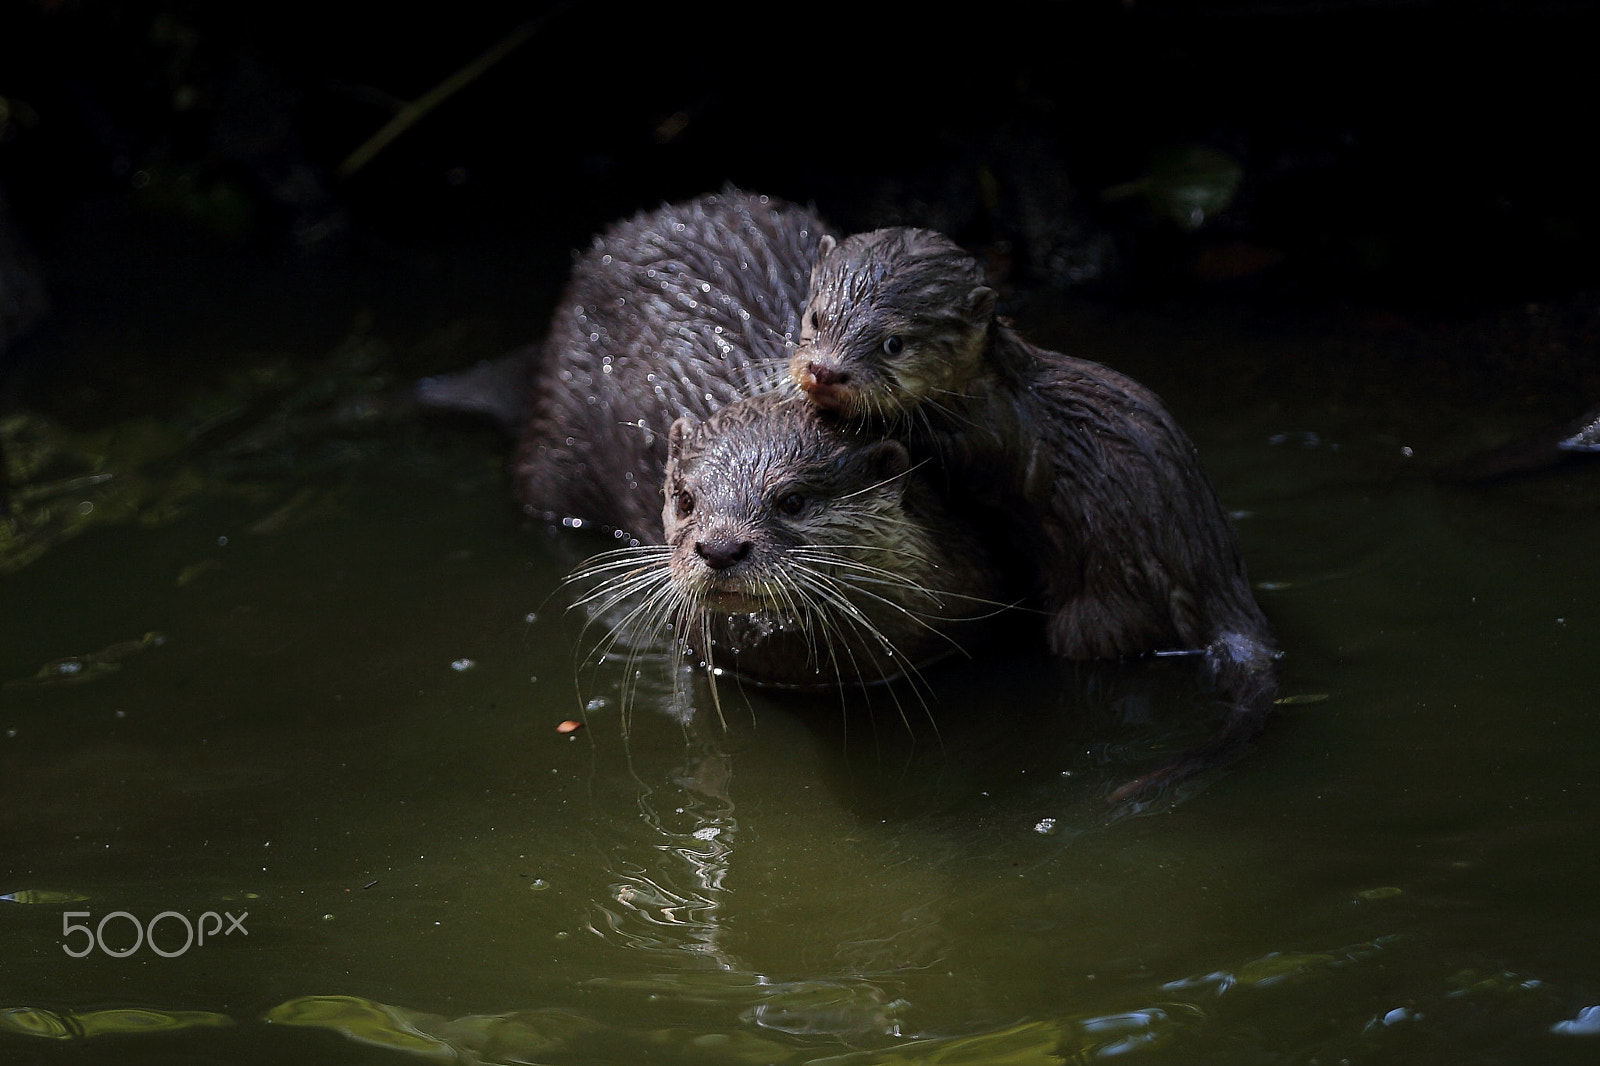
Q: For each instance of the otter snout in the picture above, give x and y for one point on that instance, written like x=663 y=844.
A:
x=823 y=374
x=827 y=386
x=723 y=551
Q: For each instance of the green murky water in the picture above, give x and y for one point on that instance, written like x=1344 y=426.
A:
x=306 y=682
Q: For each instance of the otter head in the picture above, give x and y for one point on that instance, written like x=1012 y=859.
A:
x=893 y=317
x=768 y=498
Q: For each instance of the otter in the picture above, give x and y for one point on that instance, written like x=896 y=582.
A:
x=1131 y=550
x=800 y=554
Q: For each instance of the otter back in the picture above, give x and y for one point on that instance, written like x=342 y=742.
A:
x=677 y=311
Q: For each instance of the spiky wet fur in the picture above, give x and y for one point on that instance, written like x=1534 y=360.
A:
x=676 y=311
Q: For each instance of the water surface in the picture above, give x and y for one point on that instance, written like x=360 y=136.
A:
x=312 y=675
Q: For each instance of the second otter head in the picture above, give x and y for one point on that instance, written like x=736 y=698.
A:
x=769 y=494
x=893 y=318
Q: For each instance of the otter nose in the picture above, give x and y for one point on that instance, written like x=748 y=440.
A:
x=723 y=551
x=824 y=374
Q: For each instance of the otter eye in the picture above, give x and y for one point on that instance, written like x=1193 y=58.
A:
x=791 y=503
x=684 y=503
x=816 y=320
x=893 y=345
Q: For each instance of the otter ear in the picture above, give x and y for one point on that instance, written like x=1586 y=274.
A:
x=980 y=305
x=890 y=461
x=826 y=246
x=675 y=438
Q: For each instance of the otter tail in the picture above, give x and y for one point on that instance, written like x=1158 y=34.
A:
x=1244 y=672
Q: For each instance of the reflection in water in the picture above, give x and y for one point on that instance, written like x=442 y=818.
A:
x=512 y=1037
x=669 y=899
x=673 y=906
x=75 y=1025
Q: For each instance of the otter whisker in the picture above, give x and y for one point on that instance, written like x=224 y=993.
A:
x=711 y=666
x=823 y=612
x=887 y=592
x=833 y=613
x=861 y=624
x=834 y=591
x=916 y=617
x=885 y=549
x=630 y=627
x=896 y=580
x=888 y=577
x=891 y=579
x=608 y=596
x=866 y=551
x=617 y=559
x=792 y=595
x=615 y=591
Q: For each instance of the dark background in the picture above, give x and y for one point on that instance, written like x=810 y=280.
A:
x=1431 y=157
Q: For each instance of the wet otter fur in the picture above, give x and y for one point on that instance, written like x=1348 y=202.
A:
x=801 y=554
x=675 y=311
x=661 y=360
x=1132 y=551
